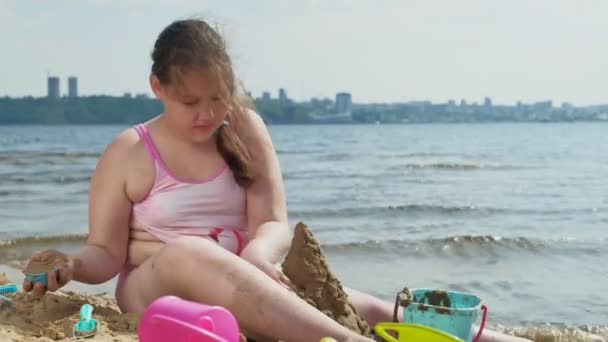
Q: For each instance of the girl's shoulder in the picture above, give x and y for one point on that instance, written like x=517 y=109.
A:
x=126 y=158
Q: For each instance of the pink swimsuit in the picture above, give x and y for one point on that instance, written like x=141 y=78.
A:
x=214 y=208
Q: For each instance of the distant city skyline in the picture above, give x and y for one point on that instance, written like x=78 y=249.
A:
x=393 y=51
x=343 y=100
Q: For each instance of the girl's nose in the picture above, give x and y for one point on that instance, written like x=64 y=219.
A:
x=205 y=112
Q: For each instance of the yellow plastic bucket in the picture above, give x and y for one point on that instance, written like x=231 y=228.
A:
x=409 y=332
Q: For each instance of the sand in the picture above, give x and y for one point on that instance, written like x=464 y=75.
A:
x=306 y=267
x=47 y=319
x=36 y=267
x=51 y=317
x=558 y=333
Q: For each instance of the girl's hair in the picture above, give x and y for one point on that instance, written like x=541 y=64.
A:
x=192 y=44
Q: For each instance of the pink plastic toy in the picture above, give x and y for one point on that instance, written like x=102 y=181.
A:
x=171 y=318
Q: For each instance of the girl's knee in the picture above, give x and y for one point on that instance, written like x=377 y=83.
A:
x=185 y=251
x=190 y=244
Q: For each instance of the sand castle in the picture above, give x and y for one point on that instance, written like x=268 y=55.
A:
x=306 y=267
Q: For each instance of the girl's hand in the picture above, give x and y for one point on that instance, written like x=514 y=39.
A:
x=273 y=270
x=62 y=273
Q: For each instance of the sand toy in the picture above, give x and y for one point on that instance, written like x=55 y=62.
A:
x=8 y=288
x=171 y=318
x=448 y=311
x=87 y=326
x=36 y=271
x=407 y=332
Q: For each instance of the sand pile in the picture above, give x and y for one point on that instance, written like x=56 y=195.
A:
x=306 y=267
x=52 y=317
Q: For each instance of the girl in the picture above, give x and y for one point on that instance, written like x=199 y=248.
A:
x=191 y=203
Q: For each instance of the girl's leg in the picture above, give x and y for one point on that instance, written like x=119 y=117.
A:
x=375 y=310
x=199 y=270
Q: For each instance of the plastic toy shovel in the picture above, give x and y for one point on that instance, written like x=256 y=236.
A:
x=87 y=326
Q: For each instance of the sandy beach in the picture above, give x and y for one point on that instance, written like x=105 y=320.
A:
x=51 y=318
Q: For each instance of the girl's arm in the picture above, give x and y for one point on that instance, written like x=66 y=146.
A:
x=105 y=251
x=109 y=211
x=266 y=206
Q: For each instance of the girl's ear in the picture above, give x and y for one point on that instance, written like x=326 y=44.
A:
x=156 y=87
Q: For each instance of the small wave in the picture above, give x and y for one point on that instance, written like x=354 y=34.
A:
x=436 y=155
x=327 y=174
x=71 y=179
x=448 y=245
x=468 y=246
x=16 y=192
x=297 y=151
x=335 y=157
x=430 y=209
x=455 y=166
x=397 y=211
x=423 y=154
x=21 y=158
x=40 y=240
x=24 y=247
x=22 y=154
x=61 y=177
x=341 y=176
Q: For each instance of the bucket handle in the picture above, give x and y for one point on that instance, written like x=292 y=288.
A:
x=483 y=322
x=404 y=298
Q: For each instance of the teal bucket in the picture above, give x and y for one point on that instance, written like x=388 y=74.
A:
x=452 y=312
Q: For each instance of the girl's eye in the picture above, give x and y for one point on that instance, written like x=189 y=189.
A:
x=190 y=103
x=216 y=99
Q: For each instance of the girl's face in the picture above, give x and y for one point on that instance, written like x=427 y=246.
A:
x=195 y=107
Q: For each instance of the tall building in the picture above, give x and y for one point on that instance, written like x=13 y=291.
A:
x=265 y=96
x=282 y=96
x=487 y=102
x=543 y=105
x=72 y=86
x=52 y=87
x=343 y=102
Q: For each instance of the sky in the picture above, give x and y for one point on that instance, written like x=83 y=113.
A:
x=379 y=50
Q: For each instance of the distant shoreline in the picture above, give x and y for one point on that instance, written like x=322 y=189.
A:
x=131 y=110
